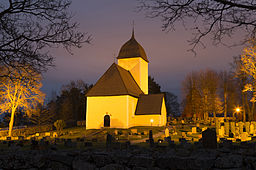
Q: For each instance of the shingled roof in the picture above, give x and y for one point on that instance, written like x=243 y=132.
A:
x=132 y=49
x=115 y=81
x=149 y=104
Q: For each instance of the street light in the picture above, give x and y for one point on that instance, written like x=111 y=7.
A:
x=151 y=121
x=237 y=110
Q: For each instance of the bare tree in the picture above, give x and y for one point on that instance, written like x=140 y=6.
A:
x=248 y=59
x=28 y=28
x=219 y=18
x=200 y=94
x=19 y=92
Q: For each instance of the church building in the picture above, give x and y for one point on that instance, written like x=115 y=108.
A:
x=120 y=98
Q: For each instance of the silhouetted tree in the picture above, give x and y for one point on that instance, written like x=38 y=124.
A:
x=41 y=116
x=171 y=100
x=71 y=104
x=28 y=27
x=172 y=104
x=153 y=87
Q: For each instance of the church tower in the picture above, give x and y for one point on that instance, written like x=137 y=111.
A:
x=132 y=57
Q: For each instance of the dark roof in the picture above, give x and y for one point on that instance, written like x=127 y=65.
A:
x=115 y=81
x=132 y=49
x=149 y=104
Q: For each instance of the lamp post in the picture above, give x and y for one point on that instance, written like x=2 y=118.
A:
x=151 y=121
x=237 y=110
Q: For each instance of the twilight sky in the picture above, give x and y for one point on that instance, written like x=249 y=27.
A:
x=110 y=24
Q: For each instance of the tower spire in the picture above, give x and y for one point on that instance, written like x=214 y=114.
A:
x=133 y=29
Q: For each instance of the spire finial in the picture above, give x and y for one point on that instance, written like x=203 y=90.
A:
x=133 y=29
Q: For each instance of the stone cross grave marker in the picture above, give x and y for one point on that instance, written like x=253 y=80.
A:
x=167 y=132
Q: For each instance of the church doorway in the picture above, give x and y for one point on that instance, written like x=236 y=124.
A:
x=106 y=121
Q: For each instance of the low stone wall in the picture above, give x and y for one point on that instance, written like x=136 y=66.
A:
x=134 y=158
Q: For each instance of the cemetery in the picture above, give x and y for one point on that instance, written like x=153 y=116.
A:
x=183 y=144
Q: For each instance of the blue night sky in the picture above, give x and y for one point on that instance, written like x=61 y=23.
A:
x=110 y=24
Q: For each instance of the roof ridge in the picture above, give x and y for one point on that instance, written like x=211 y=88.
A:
x=135 y=81
x=117 y=66
x=98 y=81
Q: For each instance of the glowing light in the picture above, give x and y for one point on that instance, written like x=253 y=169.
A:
x=151 y=120
x=238 y=109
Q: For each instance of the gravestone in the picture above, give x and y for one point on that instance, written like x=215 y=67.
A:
x=232 y=127
x=226 y=128
x=209 y=138
x=221 y=131
x=167 y=132
x=244 y=137
x=194 y=130
x=241 y=127
x=247 y=127
x=109 y=141
x=254 y=124
x=47 y=134
x=237 y=132
x=134 y=131
x=151 y=139
x=183 y=134
x=252 y=129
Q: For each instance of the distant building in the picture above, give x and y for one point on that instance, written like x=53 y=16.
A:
x=120 y=97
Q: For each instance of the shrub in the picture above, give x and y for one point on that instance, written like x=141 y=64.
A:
x=59 y=125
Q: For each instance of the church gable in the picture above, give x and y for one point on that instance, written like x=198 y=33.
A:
x=115 y=81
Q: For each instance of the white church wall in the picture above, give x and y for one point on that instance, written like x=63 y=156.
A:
x=114 y=106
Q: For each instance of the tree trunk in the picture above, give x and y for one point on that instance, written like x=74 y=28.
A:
x=225 y=105
x=11 y=123
x=244 y=110
x=252 y=112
